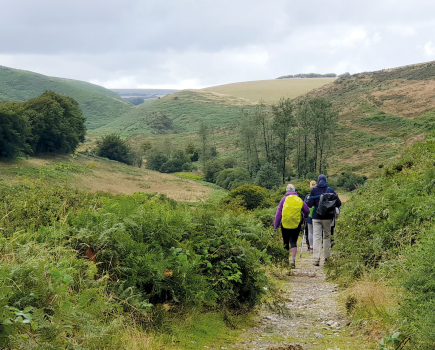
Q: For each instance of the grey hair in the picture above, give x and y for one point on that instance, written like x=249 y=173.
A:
x=291 y=187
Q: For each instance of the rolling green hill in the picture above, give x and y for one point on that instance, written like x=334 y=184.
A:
x=186 y=109
x=100 y=106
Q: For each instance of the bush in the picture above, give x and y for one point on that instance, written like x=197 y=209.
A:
x=267 y=177
x=172 y=166
x=252 y=196
x=232 y=178
x=114 y=148
x=190 y=176
x=350 y=181
x=418 y=306
x=213 y=166
x=155 y=160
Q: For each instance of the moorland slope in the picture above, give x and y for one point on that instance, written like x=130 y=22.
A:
x=99 y=105
x=379 y=112
x=270 y=91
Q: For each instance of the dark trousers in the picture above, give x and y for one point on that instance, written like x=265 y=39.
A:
x=290 y=236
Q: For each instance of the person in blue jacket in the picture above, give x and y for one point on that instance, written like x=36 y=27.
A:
x=321 y=222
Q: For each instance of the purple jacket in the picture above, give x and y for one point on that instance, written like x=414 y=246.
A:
x=278 y=216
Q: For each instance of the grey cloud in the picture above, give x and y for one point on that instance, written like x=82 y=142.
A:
x=198 y=43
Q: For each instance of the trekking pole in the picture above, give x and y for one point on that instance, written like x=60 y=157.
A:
x=303 y=237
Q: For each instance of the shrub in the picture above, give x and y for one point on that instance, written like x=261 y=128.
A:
x=252 y=196
x=155 y=160
x=213 y=166
x=350 y=181
x=173 y=165
x=114 y=148
x=190 y=176
x=418 y=305
x=232 y=178
x=267 y=177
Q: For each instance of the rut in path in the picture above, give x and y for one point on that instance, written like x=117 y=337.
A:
x=303 y=326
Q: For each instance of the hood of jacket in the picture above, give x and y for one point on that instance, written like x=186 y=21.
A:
x=321 y=181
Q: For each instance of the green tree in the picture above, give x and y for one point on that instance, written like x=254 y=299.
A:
x=248 y=141
x=155 y=159
x=192 y=152
x=267 y=176
x=14 y=130
x=57 y=123
x=113 y=147
x=283 y=120
x=232 y=178
x=203 y=134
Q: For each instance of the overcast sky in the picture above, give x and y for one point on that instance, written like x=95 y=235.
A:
x=199 y=43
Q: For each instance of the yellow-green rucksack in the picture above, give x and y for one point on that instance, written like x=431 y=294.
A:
x=291 y=212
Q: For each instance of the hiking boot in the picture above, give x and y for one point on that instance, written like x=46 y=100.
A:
x=316 y=263
x=326 y=260
x=310 y=250
x=293 y=265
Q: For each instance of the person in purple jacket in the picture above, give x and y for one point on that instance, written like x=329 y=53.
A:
x=321 y=222
x=290 y=236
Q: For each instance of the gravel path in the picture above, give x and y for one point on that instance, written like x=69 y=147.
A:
x=310 y=319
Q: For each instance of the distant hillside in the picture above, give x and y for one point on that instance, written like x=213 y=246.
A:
x=100 y=105
x=185 y=110
x=143 y=92
x=270 y=90
x=379 y=113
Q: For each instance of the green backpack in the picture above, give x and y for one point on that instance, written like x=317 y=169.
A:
x=291 y=212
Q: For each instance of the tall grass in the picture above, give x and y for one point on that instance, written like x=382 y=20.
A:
x=386 y=234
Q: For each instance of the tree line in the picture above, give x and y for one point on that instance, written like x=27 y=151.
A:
x=48 y=123
x=269 y=135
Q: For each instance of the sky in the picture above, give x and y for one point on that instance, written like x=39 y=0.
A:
x=198 y=43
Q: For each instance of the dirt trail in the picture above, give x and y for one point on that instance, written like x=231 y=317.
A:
x=311 y=319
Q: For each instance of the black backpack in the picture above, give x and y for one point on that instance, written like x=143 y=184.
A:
x=327 y=204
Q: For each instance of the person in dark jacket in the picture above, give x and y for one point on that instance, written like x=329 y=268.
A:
x=290 y=236
x=309 y=225
x=321 y=222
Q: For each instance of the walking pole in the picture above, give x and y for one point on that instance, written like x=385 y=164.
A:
x=303 y=237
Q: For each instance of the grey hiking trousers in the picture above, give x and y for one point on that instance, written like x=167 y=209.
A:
x=320 y=226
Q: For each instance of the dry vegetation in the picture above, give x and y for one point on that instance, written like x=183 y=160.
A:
x=112 y=177
x=270 y=90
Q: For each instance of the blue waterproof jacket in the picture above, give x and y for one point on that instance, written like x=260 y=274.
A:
x=314 y=196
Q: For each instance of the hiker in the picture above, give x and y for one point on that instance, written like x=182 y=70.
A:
x=289 y=216
x=310 y=220
x=322 y=221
